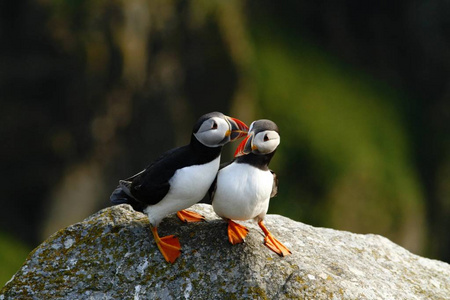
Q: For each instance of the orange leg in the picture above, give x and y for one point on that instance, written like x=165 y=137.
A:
x=168 y=245
x=236 y=232
x=272 y=243
x=189 y=216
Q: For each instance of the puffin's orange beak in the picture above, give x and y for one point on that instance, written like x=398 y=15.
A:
x=245 y=147
x=238 y=128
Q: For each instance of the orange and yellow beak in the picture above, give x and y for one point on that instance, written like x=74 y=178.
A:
x=238 y=128
x=246 y=146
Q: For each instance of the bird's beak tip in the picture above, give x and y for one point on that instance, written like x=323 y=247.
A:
x=238 y=128
x=245 y=147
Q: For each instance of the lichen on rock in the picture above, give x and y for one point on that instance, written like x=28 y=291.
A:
x=112 y=255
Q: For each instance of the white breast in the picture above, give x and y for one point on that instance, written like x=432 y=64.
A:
x=243 y=192
x=187 y=187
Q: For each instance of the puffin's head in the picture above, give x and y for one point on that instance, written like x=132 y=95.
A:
x=263 y=138
x=215 y=129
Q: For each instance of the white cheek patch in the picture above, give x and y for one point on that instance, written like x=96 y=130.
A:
x=222 y=126
x=212 y=137
x=268 y=145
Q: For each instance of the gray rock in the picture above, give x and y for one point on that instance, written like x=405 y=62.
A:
x=112 y=255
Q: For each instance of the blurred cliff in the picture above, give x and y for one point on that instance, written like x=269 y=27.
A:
x=92 y=91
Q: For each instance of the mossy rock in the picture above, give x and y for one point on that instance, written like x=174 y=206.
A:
x=111 y=255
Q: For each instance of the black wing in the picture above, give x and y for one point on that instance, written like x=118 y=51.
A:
x=151 y=185
x=274 y=185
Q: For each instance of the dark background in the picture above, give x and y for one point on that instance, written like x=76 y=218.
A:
x=92 y=91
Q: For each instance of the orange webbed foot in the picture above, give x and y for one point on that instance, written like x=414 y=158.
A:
x=236 y=232
x=169 y=246
x=276 y=246
x=189 y=216
x=272 y=243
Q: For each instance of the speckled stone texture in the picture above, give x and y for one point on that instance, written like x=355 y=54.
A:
x=112 y=255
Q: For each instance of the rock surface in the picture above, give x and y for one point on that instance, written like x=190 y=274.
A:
x=111 y=255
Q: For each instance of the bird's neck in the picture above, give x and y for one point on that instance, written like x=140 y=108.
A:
x=205 y=152
x=257 y=161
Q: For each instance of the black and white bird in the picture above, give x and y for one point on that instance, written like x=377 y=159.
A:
x=243 y=188
x=180 y=177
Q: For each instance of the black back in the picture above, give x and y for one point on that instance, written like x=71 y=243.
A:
x=151 y=185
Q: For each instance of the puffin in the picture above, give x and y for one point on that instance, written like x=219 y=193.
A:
x=243 y=187
x=180 y=178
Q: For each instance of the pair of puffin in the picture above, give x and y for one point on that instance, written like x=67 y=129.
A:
x=181 y=177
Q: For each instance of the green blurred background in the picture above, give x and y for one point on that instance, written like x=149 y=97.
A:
x=92 y=91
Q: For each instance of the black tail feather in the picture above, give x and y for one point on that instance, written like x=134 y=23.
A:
x=119 y=196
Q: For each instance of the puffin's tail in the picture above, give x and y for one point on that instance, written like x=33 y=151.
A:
x=122 y=195
x=119 y=197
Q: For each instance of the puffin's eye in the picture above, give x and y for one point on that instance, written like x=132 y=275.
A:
x=266 y=138
x=214 y=126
